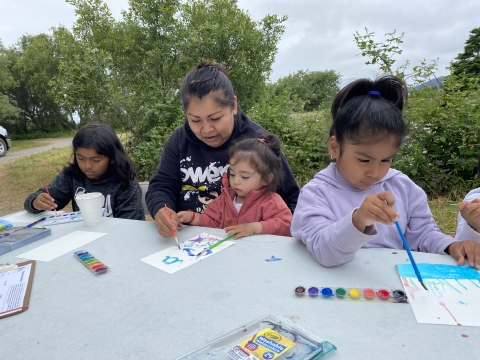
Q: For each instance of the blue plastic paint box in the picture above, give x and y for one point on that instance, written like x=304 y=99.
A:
x=307 y=346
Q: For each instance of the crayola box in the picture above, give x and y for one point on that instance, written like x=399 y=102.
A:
x=267 y=344
x=265 y=338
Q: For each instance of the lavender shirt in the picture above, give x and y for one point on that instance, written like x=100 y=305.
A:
x=323 y=218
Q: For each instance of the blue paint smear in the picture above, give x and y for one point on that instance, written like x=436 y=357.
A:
x=439 y=271
x=272 y=259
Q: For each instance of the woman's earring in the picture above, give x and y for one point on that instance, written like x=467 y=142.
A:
x=331 y=157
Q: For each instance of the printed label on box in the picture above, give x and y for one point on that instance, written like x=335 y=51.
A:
x=237 y=353
x=267 y=344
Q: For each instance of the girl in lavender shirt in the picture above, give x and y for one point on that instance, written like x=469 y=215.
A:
x=354 y=202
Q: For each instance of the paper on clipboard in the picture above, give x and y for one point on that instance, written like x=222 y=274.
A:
x=15 y=286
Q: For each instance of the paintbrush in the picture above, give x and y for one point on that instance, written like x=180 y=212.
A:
x=24 y=227
x=48 y=192
x=415 y=268
x=216 y=244
x=174 y=232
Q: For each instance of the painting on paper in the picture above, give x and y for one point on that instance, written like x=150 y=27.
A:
x=453 y=296
x=172 y=259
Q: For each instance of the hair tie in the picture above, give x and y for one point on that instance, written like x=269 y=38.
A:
x=261 y=140
x=374 y=93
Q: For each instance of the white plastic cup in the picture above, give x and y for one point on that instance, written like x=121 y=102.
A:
x=92 y=219
x=91 y=208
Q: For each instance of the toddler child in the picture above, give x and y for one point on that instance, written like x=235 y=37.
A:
x=248 y=203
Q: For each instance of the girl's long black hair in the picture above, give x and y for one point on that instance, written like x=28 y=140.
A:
x=104 y=141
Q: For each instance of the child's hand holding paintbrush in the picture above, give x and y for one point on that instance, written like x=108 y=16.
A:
x=44 y=201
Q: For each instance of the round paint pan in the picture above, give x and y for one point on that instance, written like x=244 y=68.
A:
x=328 y=292
x=369 y=294
x=340 y=293
x=354 y=293
x=399 y=295
x=313 y=291
x=300 y=290
x=383 y=294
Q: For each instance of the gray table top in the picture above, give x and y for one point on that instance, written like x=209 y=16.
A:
x=139 y=312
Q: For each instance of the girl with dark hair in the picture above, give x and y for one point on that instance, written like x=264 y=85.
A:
x=249 y=203
x=100 y=164
x=356 y=200
x=195 y=156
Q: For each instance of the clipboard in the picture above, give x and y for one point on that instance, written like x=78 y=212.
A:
x=28 y=290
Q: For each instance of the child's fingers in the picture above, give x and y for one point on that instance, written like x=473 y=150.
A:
x=466 y=249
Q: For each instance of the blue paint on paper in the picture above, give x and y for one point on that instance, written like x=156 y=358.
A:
x=439 y=271
x=461 y=302
x=169 y=260
x=189 y=252
x=272 y=259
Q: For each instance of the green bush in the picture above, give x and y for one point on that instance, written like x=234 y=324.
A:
x=443 y=148
x=304 y=136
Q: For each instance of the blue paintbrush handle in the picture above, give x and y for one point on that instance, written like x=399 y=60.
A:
x=415 y=268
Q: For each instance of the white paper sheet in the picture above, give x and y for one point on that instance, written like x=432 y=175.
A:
x=453 y=296
x=13 y=287
x=28 y=218
x=61 y=246
x=172 y=259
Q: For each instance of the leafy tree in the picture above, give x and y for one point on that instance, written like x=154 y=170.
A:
x=8 y=108
x=33 y=65
x=315 y=88
x=127 y=69
x=468 y=62
x=382 y=54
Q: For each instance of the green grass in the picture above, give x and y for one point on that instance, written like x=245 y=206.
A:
x=42 y=135
x=26 y=144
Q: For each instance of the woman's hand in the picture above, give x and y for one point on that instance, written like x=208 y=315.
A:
x=164 y=224
x=44 y=202
x=470 y=211
x=243 y=230
x=375 y=208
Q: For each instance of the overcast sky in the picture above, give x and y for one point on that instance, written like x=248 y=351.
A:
x=318 y=34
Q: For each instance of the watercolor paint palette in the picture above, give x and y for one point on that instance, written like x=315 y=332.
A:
x=356 y=294
x=91 y=262
x=63 y=218
x=242 y=342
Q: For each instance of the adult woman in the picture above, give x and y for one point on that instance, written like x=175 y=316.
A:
x=196 y=154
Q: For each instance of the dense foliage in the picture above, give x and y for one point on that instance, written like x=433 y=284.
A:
x=315 y=88
x=27 y=99
x=468 y=62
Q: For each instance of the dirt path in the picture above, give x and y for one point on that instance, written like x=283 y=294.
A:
x=48 y=144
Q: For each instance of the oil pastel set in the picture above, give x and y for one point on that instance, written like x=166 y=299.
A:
x=356 y=294
x=264 y=338
x=452 y=298
x=191 y=252
x=91 y=262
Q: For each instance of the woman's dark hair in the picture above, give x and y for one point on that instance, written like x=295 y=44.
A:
x=205 y=78
x=263 y=154
x=367 y=111
x=104 y=141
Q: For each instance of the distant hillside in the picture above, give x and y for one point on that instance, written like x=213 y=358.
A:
x=434 y=83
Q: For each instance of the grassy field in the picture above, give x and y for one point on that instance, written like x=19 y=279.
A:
x=20 y=177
